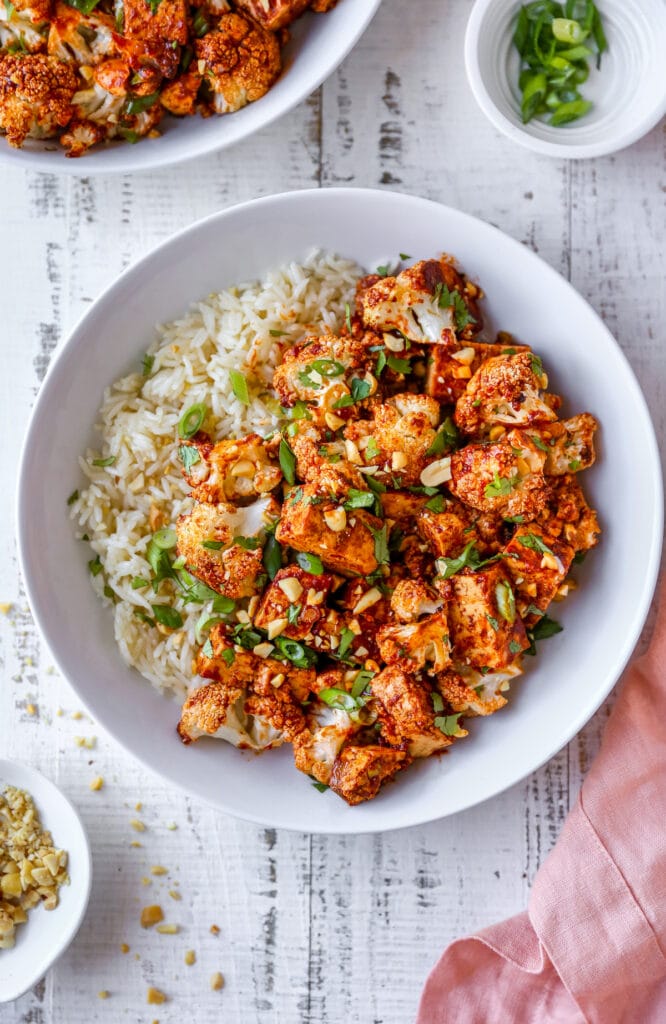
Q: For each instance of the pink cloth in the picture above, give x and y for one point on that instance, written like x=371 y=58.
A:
x=591 y=946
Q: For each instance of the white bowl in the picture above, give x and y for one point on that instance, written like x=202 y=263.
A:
x=628 y=91
x=575 y=670
x=319 y=43
x=47 y=933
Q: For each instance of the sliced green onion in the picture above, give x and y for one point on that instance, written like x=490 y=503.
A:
x=566 y=30
x=287 y=461
x=191 y=420
x=239 y=386
x=570 y=112
x=167 y=616
x=533 y=95
x=104 y=462
x=138 y=104
x=165 y=539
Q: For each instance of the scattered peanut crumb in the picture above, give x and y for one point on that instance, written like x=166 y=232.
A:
x=124 y=948
x=158 y=869
x=137 y=825
x=76 y=715
x=167 y=929
x=5 y=607
x=138 y=806
x=151 y=915
x=172 y=826
x=174 y=894
x=136 y=956
x=155 y=996
x=59 y=712
x=146 y=881
x=135 y=842
x=214 y=930
x=97 y=783
x=217 y=981
x=31 y=709
x=85 y=741
x=103 y=994
x=29 y=662
x=190 y=957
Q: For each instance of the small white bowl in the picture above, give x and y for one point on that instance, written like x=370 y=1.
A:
x=628 y=91
x=47 y=934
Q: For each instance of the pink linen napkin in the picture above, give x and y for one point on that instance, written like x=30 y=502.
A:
x=591 y=946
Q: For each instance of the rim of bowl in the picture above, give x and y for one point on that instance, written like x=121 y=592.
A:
x=570 y=151
x=38 y=160
x=76 y=921
x=651 y=569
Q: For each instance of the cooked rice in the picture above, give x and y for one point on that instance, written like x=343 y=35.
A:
x=138 y=424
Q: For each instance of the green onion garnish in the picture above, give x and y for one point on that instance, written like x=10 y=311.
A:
x=104 y=462
x=192 y=420
x=239 y=386
x=165 y=539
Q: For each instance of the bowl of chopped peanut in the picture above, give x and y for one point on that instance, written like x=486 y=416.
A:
x=45 y=876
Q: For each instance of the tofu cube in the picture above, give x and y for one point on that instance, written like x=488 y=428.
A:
x=486 y=630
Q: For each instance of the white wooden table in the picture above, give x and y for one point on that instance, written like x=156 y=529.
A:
x=312 y=929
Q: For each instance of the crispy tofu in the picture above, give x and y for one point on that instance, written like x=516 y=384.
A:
x=273 y=14
x=231 y=569
x=567 y=514
x=447 y=533
x=505 y=478
x=416 y=304
x=317 y=745
x=505 y=391
x=301 y=681
x=359 y=772
x=486 y=630
x=570 y=444
x=407 y=713
x=227 y=659
x=293 y=603
x=450 y=369
x=417 y=645
x=402 y=506
x=538 y=564
x=319 y=525
x=230 y=471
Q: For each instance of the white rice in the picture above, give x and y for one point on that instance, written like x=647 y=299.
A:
x=138 y=424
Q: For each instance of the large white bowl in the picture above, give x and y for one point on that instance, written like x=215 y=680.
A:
x=319 y=43
x=574 y=671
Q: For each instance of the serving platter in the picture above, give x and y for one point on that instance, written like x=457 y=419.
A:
x=574 y=671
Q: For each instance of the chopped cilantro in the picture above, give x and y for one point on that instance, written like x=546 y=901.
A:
x=499 y=487
x=436 y=504
x=535 y=543
x=448 y=724
x=189 y=456
x=493 y=622
x=311 y=563
x=380 y=538
x=287 y=461
x=147 y=364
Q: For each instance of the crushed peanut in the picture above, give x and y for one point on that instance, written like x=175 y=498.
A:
x=124 y=948
x=159 y=869
x=97 y=783
x=190 y=957
x=167 y=929
x=174 y=894
x=214 y=930
x=151 y=915
x=31 y=709
x=31 y=868
x=104 y=994
x=155 y=996
x=217 y=982
x=137 y=825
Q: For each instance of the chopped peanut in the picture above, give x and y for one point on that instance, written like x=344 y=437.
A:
x=151 y=915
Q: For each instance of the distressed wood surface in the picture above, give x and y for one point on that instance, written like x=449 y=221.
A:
x=312 y=929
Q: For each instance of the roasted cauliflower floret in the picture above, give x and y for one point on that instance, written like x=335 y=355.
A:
x=449 y=369
x=568 y=515
x=215 y=549
x=318 y=745
x=330 y=373
x=82 y=39
x=506 y=477
x=407 y=713
x=404 y=429
x=294 y=603
x=472 y=693
x=486 y=629
x=507 y=391
x=429 y=302
x=538 y=564
x=411 y=599
x=570 y=444
x=35 y=96
x=153 y=32
x=314 y=520
x=179 y=97
x=24 y=25
x=417 y=645
x=241 y=61
x=273 y=14
x=359 y=772
x=234 y=471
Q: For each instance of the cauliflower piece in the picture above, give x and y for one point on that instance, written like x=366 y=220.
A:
x=359 y=772
x=417 y=645
x=412 y=598
x=471 y=693
x=81 y=39
x=325 y=371
x=318 y=745
x=505 y=478
x=568 y=515
x=315 y=521
x=398 y=438
x=35 y=96
x=179 y=96
x=232 y=567
x=570 y=444
x=430 y=302
x=273 y=14
x=224 y=653
x=407 y=713
x=538 y=564
x=449 y=369
x=487 y=632
x=295 y=600
x=505 y=390
x=81 y=135
x=313 y=456
x=153 y=33
x=322 y=6
x=235 y=471
x=23 y=25
x=241 y=62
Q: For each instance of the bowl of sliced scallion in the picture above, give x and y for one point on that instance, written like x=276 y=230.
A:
x=569 y=78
